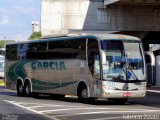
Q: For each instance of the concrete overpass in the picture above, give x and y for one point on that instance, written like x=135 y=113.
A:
x=139 y=2
x=139 y=18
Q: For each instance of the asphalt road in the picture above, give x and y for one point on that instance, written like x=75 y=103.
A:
x=46 y=107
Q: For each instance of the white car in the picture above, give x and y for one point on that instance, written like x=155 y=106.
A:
x=1 y=67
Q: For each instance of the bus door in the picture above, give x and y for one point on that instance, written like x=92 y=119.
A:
x=94 y=66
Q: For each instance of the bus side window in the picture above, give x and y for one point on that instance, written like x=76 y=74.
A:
x=31 y=51
x=11 y=52
x=93 y=52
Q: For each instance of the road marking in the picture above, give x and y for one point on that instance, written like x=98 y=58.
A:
x=45 y=106
x=156 y=91
x=104 y=112
x=49 y=105
x=11 y=102
x=37 y=105
x=99 y=110
x=68 y=109
x=108 y=118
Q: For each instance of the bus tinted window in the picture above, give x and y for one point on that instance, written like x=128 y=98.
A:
x=67 y=49
x=53 y=50
x=31 y=52
x=11 y=52
x=41 y=46
x=37 y=51
x=111 y=45
x=41 y=50
x=21 y=51
x=79 y=49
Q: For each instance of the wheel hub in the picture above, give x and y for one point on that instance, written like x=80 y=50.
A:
x=84 y=93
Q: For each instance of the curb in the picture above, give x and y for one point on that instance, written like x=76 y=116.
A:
x=153 y=88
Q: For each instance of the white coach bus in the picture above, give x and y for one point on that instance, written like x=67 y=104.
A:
x=90 y=66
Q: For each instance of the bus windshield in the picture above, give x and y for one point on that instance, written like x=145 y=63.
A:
x=122 y=60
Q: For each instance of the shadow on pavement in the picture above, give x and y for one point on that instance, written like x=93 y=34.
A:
x=152 y=99
x=7 y=93
x=75 y=100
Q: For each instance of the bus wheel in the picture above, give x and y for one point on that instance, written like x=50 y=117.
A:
x=83 y=93
x=20 y=89
x=27 y=89
x=119 y=101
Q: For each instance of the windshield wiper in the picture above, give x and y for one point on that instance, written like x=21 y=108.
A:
x=135 y=77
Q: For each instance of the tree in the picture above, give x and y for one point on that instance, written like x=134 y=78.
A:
x=4 y=42
x=35 y=35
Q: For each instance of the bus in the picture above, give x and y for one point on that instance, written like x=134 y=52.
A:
x=2 y=51
x=90 y=66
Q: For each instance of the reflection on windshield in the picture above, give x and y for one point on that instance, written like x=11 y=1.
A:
x=122 y=61
x=135 y=61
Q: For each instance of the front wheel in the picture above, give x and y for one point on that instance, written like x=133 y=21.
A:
x=83 y=94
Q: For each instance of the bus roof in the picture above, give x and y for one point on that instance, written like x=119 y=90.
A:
x=99 y=36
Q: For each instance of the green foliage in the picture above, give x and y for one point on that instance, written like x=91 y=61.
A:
x=4 y=42
x=35 y=35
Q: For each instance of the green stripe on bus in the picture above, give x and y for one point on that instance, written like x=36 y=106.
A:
x=39 y=85
x=17 y=70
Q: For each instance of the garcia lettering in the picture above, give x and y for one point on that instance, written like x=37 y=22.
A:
x=51 y=65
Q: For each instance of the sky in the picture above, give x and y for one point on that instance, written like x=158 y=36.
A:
x=16 y=18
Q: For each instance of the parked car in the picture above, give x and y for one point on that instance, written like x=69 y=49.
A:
x=1 y=66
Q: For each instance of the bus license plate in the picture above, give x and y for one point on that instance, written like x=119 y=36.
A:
x=126 y=94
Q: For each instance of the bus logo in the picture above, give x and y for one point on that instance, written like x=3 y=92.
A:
x=45 y=65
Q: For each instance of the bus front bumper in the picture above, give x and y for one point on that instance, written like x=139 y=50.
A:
x=123 y=94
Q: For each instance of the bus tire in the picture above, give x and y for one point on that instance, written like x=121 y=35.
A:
x=27 y=89
x=20 y=91
x=119 y=101
x=82 y=94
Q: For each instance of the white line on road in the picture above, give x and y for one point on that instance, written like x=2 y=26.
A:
x=45 y=106
x=11 y=102
x=42 y=105
x=156 y=91
x=105 y=112
x=83 y=108
x=23 y=103
x=49 y=105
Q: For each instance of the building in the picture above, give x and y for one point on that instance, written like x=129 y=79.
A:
x=35 y=26
x=139 y=18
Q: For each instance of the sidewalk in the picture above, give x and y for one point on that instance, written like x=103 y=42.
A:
x=155 y=89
